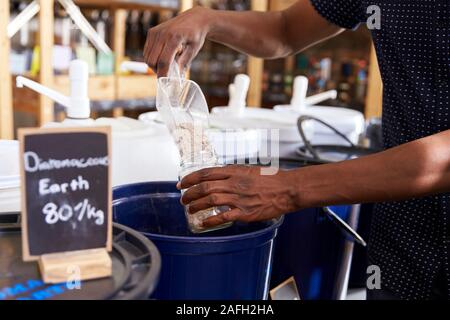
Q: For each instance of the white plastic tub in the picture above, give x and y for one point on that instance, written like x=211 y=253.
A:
x=140 y=152
x=9 y=176
x=261 y=119
x=350 y=122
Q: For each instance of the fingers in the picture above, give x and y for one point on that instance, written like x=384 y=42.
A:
x=148 y=43
x=214 y=200
x=165 y=58
x=186 y=57
x=229 y=216
x=161 y=49
x=154 y=48
x=209 y=174
x=204 y=189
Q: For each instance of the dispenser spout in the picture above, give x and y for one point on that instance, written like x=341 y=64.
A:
x=299 y=93
x=318 y=98
x=39 y=88
x=78 y=104
x=238 y=92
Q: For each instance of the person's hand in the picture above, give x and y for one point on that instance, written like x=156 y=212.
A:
x=250 y=195
x=181 y=37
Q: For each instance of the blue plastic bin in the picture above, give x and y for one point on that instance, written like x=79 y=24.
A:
x=234 y=263
x=310 y=248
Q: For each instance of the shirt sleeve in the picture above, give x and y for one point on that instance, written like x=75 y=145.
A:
x=346 y=14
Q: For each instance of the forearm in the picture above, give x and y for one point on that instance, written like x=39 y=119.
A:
x=258 y=34
x=265 y=35
x=270 y=34
x=413 y=170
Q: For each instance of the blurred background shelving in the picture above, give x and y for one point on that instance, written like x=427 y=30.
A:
x=346 y=63
x=216 y=65
x=122 y=25
x=341 y=63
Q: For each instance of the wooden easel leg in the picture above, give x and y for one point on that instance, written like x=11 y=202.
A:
x=6 y=104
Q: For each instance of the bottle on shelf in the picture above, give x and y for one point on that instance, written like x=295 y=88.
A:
x=22 y=43
x=132 y=35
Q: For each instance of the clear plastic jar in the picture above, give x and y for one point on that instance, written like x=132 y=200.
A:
x=195 y=221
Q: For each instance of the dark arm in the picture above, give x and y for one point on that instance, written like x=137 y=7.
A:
x=413 y=170
x=261 y=34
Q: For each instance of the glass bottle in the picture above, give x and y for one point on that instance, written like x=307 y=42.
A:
x=195 y=221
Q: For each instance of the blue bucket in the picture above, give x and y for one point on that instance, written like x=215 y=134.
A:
x=310 y=248
x=229 y=264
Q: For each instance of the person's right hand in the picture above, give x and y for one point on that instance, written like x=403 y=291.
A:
x=180 y=38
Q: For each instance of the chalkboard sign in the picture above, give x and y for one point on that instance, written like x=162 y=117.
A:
x=66 y=190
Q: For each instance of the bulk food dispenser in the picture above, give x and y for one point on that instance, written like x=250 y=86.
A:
x=284 y=117
x=141 y=152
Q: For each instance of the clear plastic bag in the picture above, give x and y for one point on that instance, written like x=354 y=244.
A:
x=183 y=108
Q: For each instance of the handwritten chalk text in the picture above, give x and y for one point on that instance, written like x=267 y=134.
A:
x=33 y=163
x=46 y=187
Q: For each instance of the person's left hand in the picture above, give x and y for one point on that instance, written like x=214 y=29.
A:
x=250 y=195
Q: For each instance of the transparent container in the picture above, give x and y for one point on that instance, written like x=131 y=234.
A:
x=195 y=221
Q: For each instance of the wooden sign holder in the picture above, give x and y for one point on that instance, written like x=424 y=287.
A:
x=85 y=265
x=80 y=265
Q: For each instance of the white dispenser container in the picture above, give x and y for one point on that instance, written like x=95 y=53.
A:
x=229 y=142
x=140 y=153
x=238 y=116
x=350 y=122
x=9 y=176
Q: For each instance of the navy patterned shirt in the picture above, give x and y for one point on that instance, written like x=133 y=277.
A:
x=410 y=239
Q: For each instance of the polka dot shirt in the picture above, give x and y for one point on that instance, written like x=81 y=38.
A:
x=409 y=240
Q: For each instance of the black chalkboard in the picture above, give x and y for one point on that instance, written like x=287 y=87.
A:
x=66 y=190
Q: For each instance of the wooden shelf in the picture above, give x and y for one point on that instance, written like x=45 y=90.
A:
x=25 y=100
x=279 y=5
x=6 y=109
x=136 y=87
x=124 y=4
x=255 y=70
x=100 y=87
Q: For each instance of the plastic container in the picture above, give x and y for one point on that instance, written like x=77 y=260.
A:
x=9 y=176
x=312 y=249
x=260 y=119
x=140 y=152
x=315 y=252
x=350 y=122
x=229 y=264
x=133 y=142
x=136 y=265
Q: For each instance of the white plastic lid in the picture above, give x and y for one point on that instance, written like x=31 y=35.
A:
x=10 y=182
x=9 y=164
x=345 y=120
